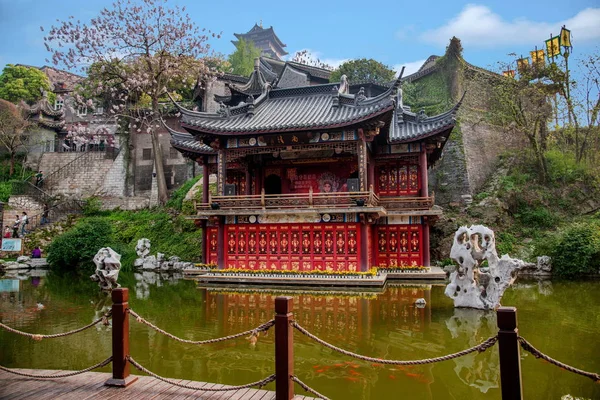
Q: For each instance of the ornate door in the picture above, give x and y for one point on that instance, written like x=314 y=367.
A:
x=399 y=245
x=302 y=247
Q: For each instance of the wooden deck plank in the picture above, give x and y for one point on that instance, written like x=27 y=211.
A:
x=175 y=392
x=260 y=394
x=26 y=385
x=90 y=386
x=75 y=385
x=183 y=393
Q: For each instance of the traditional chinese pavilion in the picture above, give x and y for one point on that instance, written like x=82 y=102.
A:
x=265 y=39
x=314 y=178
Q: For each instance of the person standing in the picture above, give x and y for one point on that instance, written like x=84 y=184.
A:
x=45 y=214
x=24 y=222
x=39 y=179
x=16 y=227
x=7 y=232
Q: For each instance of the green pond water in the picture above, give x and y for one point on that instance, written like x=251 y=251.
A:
x=560 y=318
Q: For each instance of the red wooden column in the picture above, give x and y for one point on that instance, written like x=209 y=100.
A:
x=221 y=243
x=423 y=171
x=361 y=151
x=284 y=349
x=221 y=172
x=426 y=253
x=510 y=354
x=120 y=340
x=424 y=193
x=205 y=192
x=364 y=244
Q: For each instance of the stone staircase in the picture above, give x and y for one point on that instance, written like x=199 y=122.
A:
x=31 y=199
x=82 y=175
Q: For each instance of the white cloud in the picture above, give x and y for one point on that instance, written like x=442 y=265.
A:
x=314 y=57
x=410 y=67
x=478 y=25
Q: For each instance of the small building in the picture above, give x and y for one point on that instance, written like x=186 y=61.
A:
x=315 y=178
x=264 y=39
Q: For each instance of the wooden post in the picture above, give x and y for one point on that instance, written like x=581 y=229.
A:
x=510 y=355
x=120 y=340
x=284 y=349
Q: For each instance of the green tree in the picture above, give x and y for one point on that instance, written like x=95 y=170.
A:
x=242 y=59
x=363 y=70
x=23 y=83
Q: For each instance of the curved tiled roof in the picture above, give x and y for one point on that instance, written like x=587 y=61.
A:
x=185 y=142
x=407 y=126
x=294 y=109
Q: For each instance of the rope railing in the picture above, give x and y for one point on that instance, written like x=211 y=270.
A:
x=483 y=346
x=538 y=354
x=253 y=332
x=38 y=337
x=56 y=376
x=308 y=388
x=258 y=384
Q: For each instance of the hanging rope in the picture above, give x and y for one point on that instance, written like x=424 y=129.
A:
x=34 y=336
x=258 y=384
x=254 y=332
x=480 y=348
x=64 y=375
x=308 y=388
x=538 y=354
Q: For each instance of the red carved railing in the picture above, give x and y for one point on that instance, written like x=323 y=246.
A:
x=313 y=200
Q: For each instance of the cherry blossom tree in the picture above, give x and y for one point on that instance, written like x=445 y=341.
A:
x=135 y=48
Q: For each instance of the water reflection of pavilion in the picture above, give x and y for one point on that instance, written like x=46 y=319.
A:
x=350 y=314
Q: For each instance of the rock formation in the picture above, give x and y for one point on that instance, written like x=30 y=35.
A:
x=158 y=262
x=471 y=284
x=108 y=265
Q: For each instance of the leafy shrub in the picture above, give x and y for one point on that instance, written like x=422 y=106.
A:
x=5 y=191
x=505 y=243
x=480 y=196
x=75 y=249
x=537 y=217
x=176 y=200
x=574 y=251
x=92 y=206
x=563 y=168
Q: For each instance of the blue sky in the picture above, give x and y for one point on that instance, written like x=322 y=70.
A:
x=395 y=32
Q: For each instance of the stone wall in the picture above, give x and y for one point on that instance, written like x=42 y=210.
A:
x=124 y=203
x=177 y=168
x=50 y=162
x=483 y=145
x=18 y=204
x=84 y=180
x=114 y=181
x=448 y=178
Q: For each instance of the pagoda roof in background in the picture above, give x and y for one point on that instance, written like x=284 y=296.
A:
x=44 y=114
x=259 y=33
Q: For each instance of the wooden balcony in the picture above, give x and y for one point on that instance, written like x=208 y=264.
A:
x=300 y=203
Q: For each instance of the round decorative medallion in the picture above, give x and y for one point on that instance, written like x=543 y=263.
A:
x=252 y=219
x=252 y=141
x=325 y=136
x=326 y=218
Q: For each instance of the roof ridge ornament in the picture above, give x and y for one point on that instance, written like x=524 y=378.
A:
x=250 y=102
x=223 y=110
x=360 y=96
x=335 y=92
x=397 y=91
x=344 y=85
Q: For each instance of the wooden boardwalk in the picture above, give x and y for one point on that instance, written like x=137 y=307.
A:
x=90 y=385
